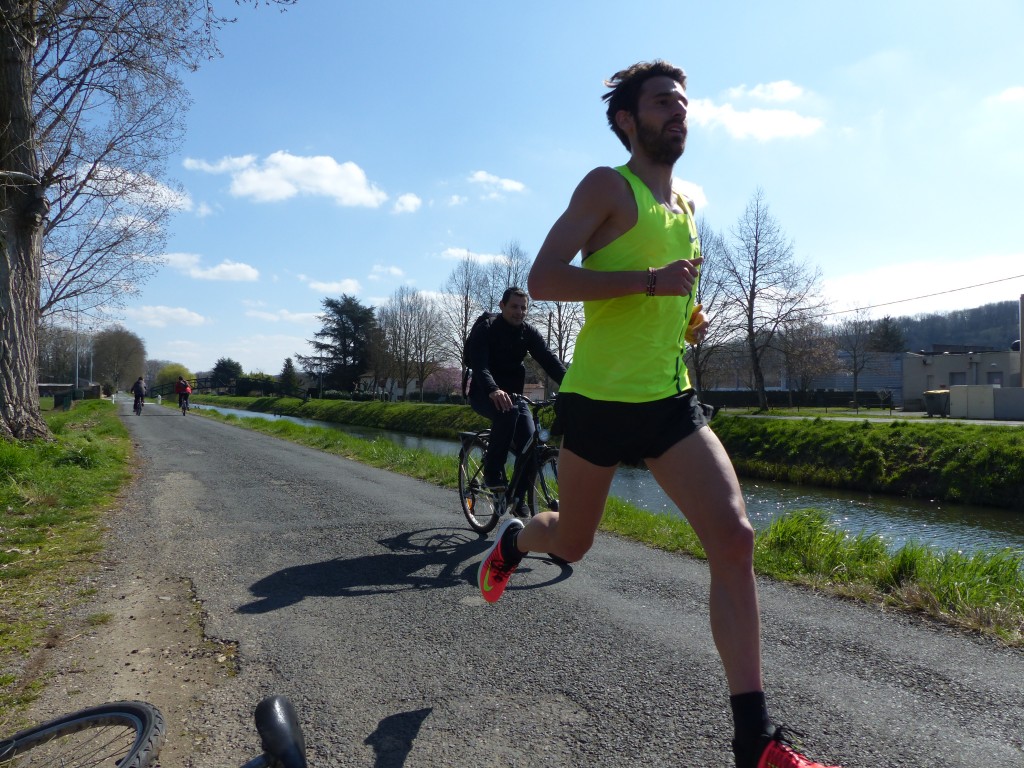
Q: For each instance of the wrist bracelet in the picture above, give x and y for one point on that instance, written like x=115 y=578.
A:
x=652 y=280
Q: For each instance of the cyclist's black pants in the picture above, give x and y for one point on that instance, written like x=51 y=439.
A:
x=511 y=429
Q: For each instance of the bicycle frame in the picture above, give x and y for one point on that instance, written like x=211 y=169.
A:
x=532 y=458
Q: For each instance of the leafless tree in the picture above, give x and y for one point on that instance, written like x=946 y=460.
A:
x=427 y=338
x=765 y=289
x=460 y=304
x=809 y=351
x=397 y=321
x=119 y=357
x=56 y=352
x=511 y=269
x=90 y=108
x=700 y=357
x=853 y=338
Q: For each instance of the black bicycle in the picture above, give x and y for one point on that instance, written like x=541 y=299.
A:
x=129 y=734
x=139 y=403
x=483 y=506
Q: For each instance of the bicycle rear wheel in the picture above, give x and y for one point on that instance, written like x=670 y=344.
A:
x=477 y=502
x=544 y=491
x=127 y=734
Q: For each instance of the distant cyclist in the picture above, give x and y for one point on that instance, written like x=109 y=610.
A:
x=139 y=390
x=495 y=351
x=182 y=388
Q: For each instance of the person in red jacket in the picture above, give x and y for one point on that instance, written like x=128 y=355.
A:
x=183 y=389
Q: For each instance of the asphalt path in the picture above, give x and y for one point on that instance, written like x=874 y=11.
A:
x=352 y=591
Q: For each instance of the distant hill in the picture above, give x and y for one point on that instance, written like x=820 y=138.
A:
x=993 y=326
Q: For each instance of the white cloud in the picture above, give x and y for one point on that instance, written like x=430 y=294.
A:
x=203 y=210
x=407 y=203
x=284 y=316
x=283 y=175
x=338 y=286
x=1013 y=95
x=757 y=124
x=380 y=271
x=226 y=270
x=691 y=190
x=224 y=165
x=457 y=200
x=911 y=288
x=495 y=185
x=162 y=317
x=780 y=90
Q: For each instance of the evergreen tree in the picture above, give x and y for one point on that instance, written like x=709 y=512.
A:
x=288 y=381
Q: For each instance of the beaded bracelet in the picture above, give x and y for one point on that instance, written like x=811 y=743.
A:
x=652 y=280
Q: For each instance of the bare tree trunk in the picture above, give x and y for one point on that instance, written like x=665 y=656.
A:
x=22 y=209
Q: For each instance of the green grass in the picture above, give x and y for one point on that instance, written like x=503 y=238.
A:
x=52 y=499
x=983 y=591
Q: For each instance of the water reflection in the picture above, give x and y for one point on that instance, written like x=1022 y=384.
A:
x=897 y=520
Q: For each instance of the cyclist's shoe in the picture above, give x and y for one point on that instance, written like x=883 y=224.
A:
x=499 y=562
x=495 y=485
x=778 y=752
x=521 y=510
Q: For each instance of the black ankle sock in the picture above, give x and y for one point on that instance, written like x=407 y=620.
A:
x=509 y=551
x=750 y=715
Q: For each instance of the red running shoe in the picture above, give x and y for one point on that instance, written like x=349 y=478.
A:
x=779 y=753
x=495 y=569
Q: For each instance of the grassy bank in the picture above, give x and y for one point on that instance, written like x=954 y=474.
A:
x=954 y=462
x=982 y=591
x=52 y=499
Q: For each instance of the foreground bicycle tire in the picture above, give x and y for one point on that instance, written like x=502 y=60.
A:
x=544 y=492
x=477 y=502
x=126 y=734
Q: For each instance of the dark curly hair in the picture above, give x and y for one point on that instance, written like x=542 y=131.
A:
x=625 y=89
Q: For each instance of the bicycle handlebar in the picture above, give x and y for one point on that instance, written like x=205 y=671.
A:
x=281 y=735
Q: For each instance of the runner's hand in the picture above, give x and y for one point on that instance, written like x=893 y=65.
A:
x=677 y=277
x=698 y=326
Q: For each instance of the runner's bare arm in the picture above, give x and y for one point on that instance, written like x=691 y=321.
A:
x=601 y=209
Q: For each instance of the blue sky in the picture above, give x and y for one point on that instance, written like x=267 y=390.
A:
x=346 y=147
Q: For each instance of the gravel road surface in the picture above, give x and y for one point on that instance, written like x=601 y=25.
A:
x=352 y=591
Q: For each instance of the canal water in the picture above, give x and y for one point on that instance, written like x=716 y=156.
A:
x=897 y=520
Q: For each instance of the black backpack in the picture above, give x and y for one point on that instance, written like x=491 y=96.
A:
x=480 y=325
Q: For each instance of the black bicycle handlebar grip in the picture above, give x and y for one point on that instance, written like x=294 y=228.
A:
x=280 y=732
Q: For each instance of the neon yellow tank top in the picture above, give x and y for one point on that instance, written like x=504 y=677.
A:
x=631 y=348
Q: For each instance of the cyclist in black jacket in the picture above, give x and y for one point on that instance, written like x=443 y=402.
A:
x=495 y=352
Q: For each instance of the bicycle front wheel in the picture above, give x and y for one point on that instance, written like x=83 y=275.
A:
x=544 y=492
x=477 y=502
x=127 y=734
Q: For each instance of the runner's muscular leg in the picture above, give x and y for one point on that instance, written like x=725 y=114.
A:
x=699 y=478
x=582 y=492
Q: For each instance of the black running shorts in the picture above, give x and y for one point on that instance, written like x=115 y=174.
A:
x=608 y=433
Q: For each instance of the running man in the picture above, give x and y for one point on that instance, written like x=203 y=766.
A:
x=627 y=396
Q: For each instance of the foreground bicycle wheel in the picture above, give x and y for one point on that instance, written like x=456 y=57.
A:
x=544 y=492
x=477 y=502
x=126 y=734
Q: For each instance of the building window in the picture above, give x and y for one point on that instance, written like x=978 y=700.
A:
x=994 y=378
x=957 y=378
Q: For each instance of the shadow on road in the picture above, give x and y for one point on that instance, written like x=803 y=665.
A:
x=435 y=558
x=392 y=741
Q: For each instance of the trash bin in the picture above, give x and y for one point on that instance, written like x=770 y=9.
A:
x=936 y=402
